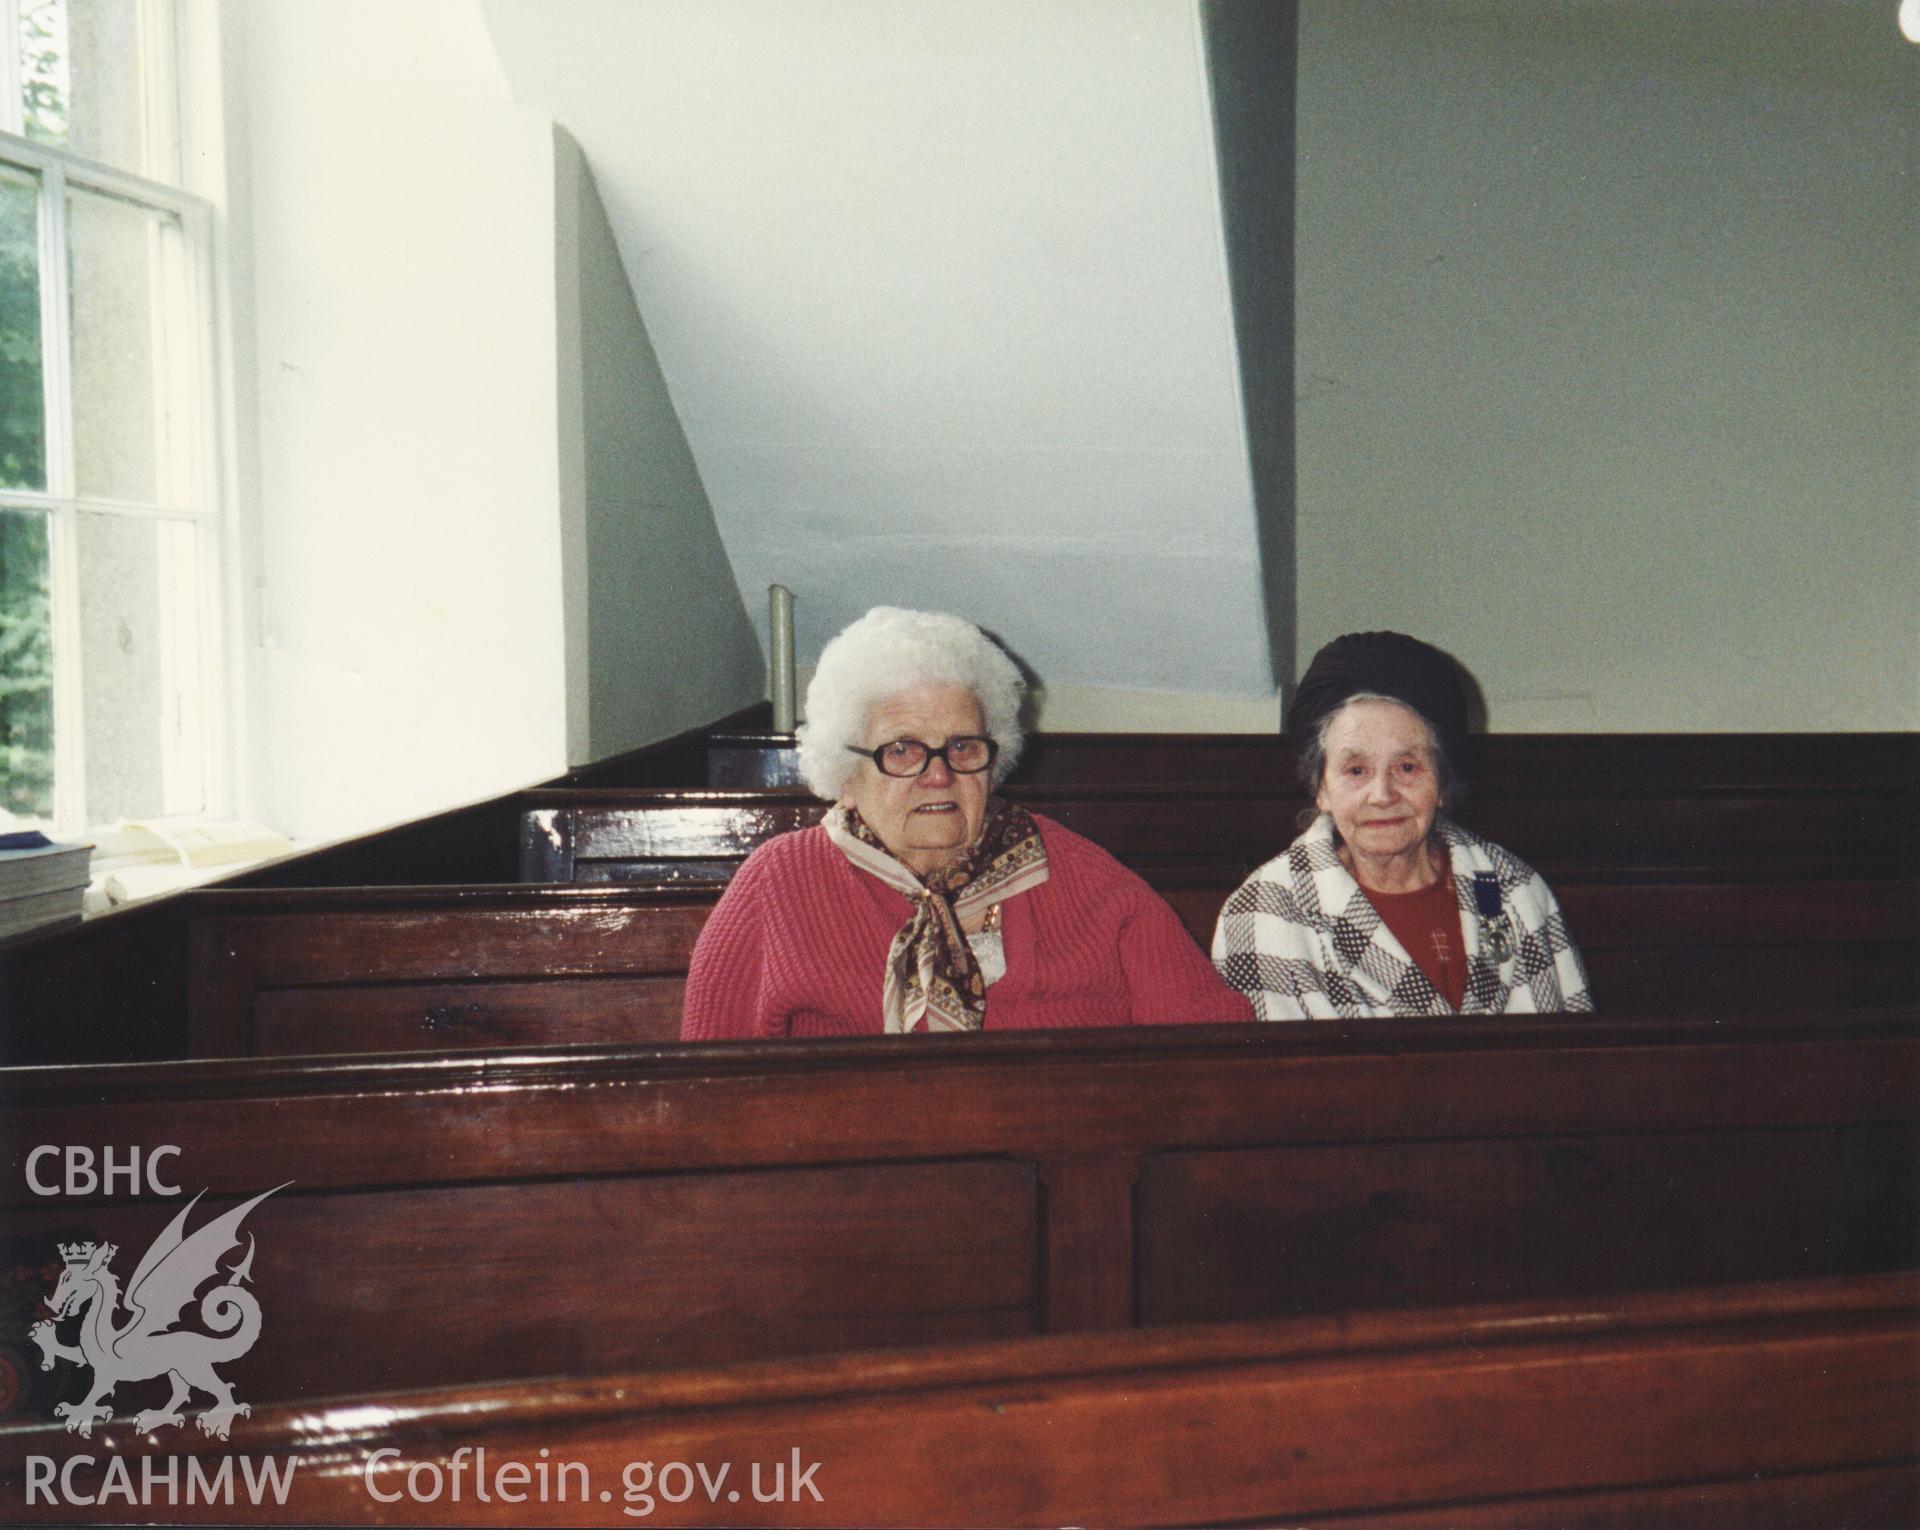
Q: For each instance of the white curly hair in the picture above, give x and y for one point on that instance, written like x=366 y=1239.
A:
x=890 y=650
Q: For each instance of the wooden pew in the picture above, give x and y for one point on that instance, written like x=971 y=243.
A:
x=500 y=1216
x=278 y=972
x=281 y=973
x=1781 y=765
x=659 y=835
x=1837 y=810
x=1783 y=1405
x=1785 y=765
x=1656 y=943
x=115 y=989
x=111 y=989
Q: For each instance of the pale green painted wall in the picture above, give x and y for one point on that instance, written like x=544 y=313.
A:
x=1608 y=355
x=658 y=640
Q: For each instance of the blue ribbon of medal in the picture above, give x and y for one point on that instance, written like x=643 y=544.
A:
x=1495 y=938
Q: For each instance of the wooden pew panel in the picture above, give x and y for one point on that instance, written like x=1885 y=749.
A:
x=1279 y=1232
x=372 y=970
x=417 y=1017
x=1759 y=977
x=897 y=1191
x=371 y=1290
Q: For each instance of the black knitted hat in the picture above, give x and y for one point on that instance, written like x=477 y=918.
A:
x=1386 y=664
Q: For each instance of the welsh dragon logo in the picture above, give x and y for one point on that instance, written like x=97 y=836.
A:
x=148 y=1344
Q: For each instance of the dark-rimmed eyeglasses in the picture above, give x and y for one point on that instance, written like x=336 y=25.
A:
x=966 y=754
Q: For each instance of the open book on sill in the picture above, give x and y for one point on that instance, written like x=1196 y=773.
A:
x=142 y=858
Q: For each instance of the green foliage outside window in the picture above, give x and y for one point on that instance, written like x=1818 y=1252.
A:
x=26 y=668
x=23 y=431
x=43 y=69
x=26 y=629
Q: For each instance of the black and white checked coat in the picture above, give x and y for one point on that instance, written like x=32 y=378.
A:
x=1301 y=940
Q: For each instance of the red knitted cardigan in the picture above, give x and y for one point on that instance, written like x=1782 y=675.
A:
x=797 y=946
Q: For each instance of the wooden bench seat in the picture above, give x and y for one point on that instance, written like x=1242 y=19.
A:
x=496 y=1216
x=1779 y=1405
x=284 y=972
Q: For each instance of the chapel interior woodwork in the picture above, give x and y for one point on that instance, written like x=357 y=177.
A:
x=1658 y=1265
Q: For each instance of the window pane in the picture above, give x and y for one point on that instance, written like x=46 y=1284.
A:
x=127 y=350
x=26 y=667
x=44 y=73
x=105 y=113
x=23 y=420
x=81 y=78
x=140 y=666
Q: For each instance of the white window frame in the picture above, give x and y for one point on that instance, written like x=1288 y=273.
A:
x=195 y=484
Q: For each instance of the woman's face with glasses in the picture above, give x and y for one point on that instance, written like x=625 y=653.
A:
x=924 y=820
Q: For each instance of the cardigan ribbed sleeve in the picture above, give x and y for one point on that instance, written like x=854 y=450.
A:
x=797 y=946
x=725 y=983
x=1170 y=981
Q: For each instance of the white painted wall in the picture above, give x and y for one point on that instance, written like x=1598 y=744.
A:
x=658 y=640
x=1605 y=374
x=1102 y=709
x=391 y=223
x=939 y=293
x=1608 y=354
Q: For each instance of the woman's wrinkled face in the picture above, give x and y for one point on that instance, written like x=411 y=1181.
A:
x=1379 y=782
x=923 y=820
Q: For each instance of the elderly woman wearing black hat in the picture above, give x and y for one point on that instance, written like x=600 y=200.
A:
x=1383 y=906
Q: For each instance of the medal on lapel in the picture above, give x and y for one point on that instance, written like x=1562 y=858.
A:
x=1496 y=939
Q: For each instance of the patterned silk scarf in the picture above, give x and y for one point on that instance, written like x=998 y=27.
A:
x=933 y=978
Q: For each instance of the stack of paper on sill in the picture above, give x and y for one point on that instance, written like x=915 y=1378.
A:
x=40 y=882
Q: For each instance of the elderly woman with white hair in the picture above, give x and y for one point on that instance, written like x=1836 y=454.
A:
x=923 y=902
x=1385 y=906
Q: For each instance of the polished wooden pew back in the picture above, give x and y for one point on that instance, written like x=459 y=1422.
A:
x=285 y=972
x=1499 y=763
x=1778 y=1405
x=1813 y=835
x=661 y=835
x=610 y=1209
x=279 y=973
